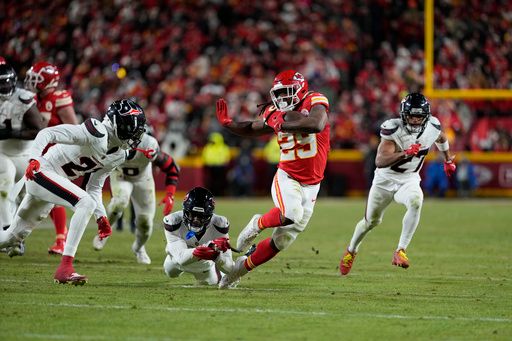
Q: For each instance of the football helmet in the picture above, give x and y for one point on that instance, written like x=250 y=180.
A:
x=289 y=89
x=42 y=75
x=198 y=207
x=126 y=120
x=8 y=81
x=415 y=105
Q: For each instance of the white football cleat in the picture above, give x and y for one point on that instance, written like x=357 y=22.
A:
x=98 y=244
x=248 y=234
x=141 y=254
x=231 y=280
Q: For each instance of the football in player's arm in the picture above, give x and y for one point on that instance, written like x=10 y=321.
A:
x=405 y=142
x=198 y=240
x=299 y=119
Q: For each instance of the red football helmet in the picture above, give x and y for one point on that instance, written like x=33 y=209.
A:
x=42 y=75
x=289 y=88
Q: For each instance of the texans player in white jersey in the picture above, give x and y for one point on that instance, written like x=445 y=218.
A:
x=91 y=150
x=405 y=143
x=198 y=240
x=133 y=180
x=20 y=121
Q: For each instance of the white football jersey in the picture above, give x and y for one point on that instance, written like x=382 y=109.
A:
x=11 y=116
x=394 y=130
x=80 y=150
x=175 y=227
x=137 y=165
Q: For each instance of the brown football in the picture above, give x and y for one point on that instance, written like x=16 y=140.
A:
x=293 y=116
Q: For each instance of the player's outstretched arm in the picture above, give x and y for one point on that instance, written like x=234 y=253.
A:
x=244 y=128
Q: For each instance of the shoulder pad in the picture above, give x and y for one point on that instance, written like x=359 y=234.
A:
x=151 y=141
x=26 y=97
x=172 y=222
x=435 y=122
x=318 y=98
x=220 y=223
x=389 y=127
x=62 y=98
x=95 y=127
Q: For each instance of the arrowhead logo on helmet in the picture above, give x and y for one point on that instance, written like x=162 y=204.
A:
x=288 y=90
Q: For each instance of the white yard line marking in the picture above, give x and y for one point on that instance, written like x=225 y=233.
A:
x=271 y=311
x=90 y=337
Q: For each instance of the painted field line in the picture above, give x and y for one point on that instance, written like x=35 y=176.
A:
x=271 y=311
x=89 y=337
x=177 y=309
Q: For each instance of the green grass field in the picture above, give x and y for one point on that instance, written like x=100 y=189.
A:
x=459 y=285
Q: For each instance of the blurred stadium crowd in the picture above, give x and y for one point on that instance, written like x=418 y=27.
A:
x=177 y=57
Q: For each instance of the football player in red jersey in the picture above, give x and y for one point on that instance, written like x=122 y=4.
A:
x=304 y=144
x=57 y=107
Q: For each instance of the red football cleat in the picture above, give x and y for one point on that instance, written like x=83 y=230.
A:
x=58 y=247
x=69 y=277
x=400 y=259
x=346 y=262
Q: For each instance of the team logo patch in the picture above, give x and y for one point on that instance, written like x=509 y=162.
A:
x=48 y=105
x=132 y=112
x=298 y=77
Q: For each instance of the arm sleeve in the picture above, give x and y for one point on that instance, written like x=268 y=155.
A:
x=167 y=164
x=178 y=249
x=64 y=133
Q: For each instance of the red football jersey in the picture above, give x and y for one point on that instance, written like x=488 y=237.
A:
x=304 y=156
x=51 y=103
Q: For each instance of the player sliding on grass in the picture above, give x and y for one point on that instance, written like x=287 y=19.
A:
x=198 y=240
x=303 y=138
x=400 y=155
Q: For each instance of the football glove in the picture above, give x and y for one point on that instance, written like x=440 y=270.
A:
x=205 y=252
x=275 y=120
x=220 y=244
x=33 y=166
x=168 y=200
x=222 y=112
x=104 y=229
x=413 y=149
x=449 y=168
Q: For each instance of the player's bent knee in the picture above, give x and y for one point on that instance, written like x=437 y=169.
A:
x=86 y=203
x=295 y=215
x=170 y=268
x=282 y=242
x=144 y=223
x=416 y=202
